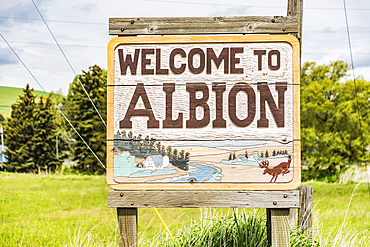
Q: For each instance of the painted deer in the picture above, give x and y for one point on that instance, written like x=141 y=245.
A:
x=282 y=168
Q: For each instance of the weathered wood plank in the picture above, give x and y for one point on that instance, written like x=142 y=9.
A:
x=127 y=223
x=278 y=231
x=203 y=25
x=305 y=209
x=295 y=9
x=292 y=217
x=195 y=199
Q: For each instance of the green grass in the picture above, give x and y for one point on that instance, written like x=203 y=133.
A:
x=9 y=95
x=57 y=210
x=330 y=206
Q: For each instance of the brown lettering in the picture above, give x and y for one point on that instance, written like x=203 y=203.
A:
x=158 y=69
x=192 y=52
x=128 y=62
x=234 y=60
x=192 y=88
x=259 y=53
x=277 y=53
x=241 y=86
x=169 y=88
x=131 y=111
x=145 y=62
x=219 y=88
x=224 y=56
x=172 y=61
x=277 y=113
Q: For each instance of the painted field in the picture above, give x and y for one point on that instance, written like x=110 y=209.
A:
x=71 y=210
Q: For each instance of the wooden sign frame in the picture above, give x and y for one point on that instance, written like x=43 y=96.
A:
x=291 y=40
x=280 y=205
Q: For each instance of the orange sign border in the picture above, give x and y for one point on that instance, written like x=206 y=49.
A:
x=293 y=41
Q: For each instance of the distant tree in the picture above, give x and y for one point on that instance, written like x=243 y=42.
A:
x=234 y=156
x=331 y=133
x=87 y=122
x=267 y=154
x=19 y=132
x=230 y=157
x=246 y=154
x=274 y=153
x=261 y=154
x=45 y=131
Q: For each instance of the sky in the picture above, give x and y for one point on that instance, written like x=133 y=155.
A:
x=81 y=28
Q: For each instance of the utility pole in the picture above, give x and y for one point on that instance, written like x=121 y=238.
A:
x=2 y=144
x=57 y=146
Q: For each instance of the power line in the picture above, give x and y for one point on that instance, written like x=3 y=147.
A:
x=149 y=224
x=250 y=6
x=45 y=43
x=52 y=100
x=354 y=82
x=61 y=21
x=334 y=31
x=60 y=48
x=46 y=109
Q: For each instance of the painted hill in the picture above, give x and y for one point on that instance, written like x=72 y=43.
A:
x=9 y=95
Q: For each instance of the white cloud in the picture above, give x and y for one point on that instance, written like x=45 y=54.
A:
x=86 y=7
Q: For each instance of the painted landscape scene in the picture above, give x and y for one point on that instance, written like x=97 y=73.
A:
x=139 y=159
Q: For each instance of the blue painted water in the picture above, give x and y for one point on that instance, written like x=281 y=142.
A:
x=203 y=173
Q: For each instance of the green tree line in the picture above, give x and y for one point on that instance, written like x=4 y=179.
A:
x=334 y=120
x=37 y=137
x=31 y=135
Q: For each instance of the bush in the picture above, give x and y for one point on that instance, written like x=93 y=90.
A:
x=240 y=230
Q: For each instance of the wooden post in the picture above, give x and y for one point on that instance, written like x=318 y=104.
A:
x=295 y=8
x=127 y=223
x=292 y=217
x=278 y=230
x=305 y=209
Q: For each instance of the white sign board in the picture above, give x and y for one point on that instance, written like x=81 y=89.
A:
x=203 y=112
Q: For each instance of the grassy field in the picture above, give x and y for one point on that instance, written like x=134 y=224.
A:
x=9 y=96
x=56 y=210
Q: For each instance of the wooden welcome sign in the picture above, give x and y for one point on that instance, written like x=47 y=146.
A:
x=204 y=113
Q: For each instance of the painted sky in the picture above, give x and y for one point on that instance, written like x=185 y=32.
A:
x=81 y=27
